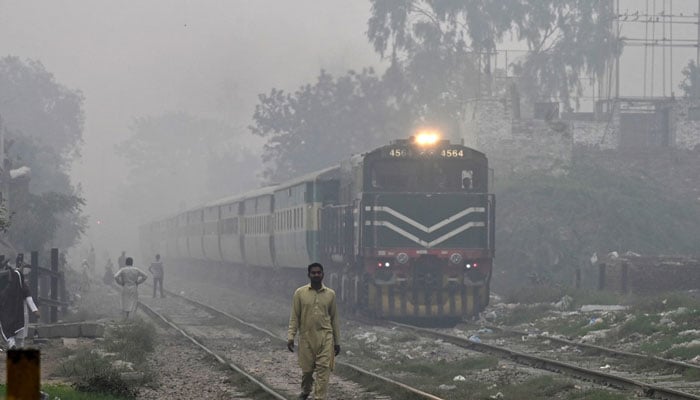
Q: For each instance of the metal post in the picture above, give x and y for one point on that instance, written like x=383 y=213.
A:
x=617 y=59
x=23 y=374
x=653 y=47
x=44 y=294
x=601 y=276
x=577 y=278
x=670 y=48
x=624 y=278
x=663 y=48
x=63 y=293
x=54 y=284
x=646 y=46
x=34 y=279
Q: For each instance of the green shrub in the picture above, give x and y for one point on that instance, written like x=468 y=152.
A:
x=663 y=302
x=133 y=340
x=92 y=372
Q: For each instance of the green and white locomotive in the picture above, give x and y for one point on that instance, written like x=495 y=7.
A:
x=405 y=230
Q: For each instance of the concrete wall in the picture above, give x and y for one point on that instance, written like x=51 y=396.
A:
x=604 y=132
x=517 y=145
x=686 y=119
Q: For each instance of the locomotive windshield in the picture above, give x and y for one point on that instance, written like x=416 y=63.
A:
x=425 y=175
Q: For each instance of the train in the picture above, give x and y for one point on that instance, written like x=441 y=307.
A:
x=404 y=230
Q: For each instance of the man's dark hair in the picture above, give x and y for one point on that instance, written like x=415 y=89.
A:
x=308 y=270
x=129 y=261
x=157 y=256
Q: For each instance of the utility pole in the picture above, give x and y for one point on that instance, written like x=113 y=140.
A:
x=4 y=184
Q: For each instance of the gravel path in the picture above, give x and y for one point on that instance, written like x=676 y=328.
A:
x=183 y=371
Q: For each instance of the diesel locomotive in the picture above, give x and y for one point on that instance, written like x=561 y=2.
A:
x=405 y=230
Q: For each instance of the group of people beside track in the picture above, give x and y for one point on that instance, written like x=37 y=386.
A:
x=129 y=277
x=313 y=317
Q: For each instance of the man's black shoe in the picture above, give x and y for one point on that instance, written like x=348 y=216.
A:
x=303 y=396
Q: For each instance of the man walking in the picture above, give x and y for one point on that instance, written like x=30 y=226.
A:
x=156 y=269
x=129 y=278
x=314 y=316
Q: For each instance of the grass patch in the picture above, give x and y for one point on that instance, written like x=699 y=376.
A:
x=93 y=373
x=660 y=345
x=642 y=324
x=64 y=392
x=525 y=314
x=663 y=302
x=538 y=387
x=405 y=337
x=442 y=370
x=596 y=394
x=683 y=352
x=588 y=296
x=691 y=374
x=98 y=372
x=535 y=294
x=132 y=340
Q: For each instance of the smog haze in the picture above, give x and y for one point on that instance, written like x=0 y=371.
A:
x=209 y=59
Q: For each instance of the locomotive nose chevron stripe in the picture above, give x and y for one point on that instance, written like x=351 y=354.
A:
x=424 y=228
x=420 y=226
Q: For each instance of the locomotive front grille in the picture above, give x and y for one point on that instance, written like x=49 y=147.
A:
x=398 y=301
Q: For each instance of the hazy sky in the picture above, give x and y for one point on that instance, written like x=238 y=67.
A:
x=207 y=58
x=204 y=57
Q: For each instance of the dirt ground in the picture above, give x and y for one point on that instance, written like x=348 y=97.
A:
x=180 y=370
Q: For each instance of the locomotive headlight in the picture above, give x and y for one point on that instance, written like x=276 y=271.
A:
x=387 y=264
x=402 y=258
x=427 y=138
x=468 y=266
x=455 y=258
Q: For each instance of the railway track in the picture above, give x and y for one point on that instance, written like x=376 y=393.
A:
x=639 y=383
x=255 y=352
x=642 y=375
x=653 y=362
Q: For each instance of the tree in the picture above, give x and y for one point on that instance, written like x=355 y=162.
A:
x=36 y=223
x=321 y=124
x=35 y=105
x=43 y=124
x=178 y=160
x=691 y=80
x=565 y=38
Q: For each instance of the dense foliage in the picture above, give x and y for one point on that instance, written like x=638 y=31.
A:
x=43 y=124
x=565 y=38
x=324 y=122
x=550 y=225
x=691 y=80
x=177 y=160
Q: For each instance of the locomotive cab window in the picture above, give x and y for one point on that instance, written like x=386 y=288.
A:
x=421 y=175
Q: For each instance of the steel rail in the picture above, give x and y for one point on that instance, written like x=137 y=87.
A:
x=156 y=315
x=650 y=390
x=383 y=379
x=593 y=347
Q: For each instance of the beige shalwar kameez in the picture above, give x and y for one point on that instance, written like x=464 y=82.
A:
x=129 y=278
x=314 y=316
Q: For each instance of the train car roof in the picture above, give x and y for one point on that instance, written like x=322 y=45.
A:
x=323 y=174
x=267 y=190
